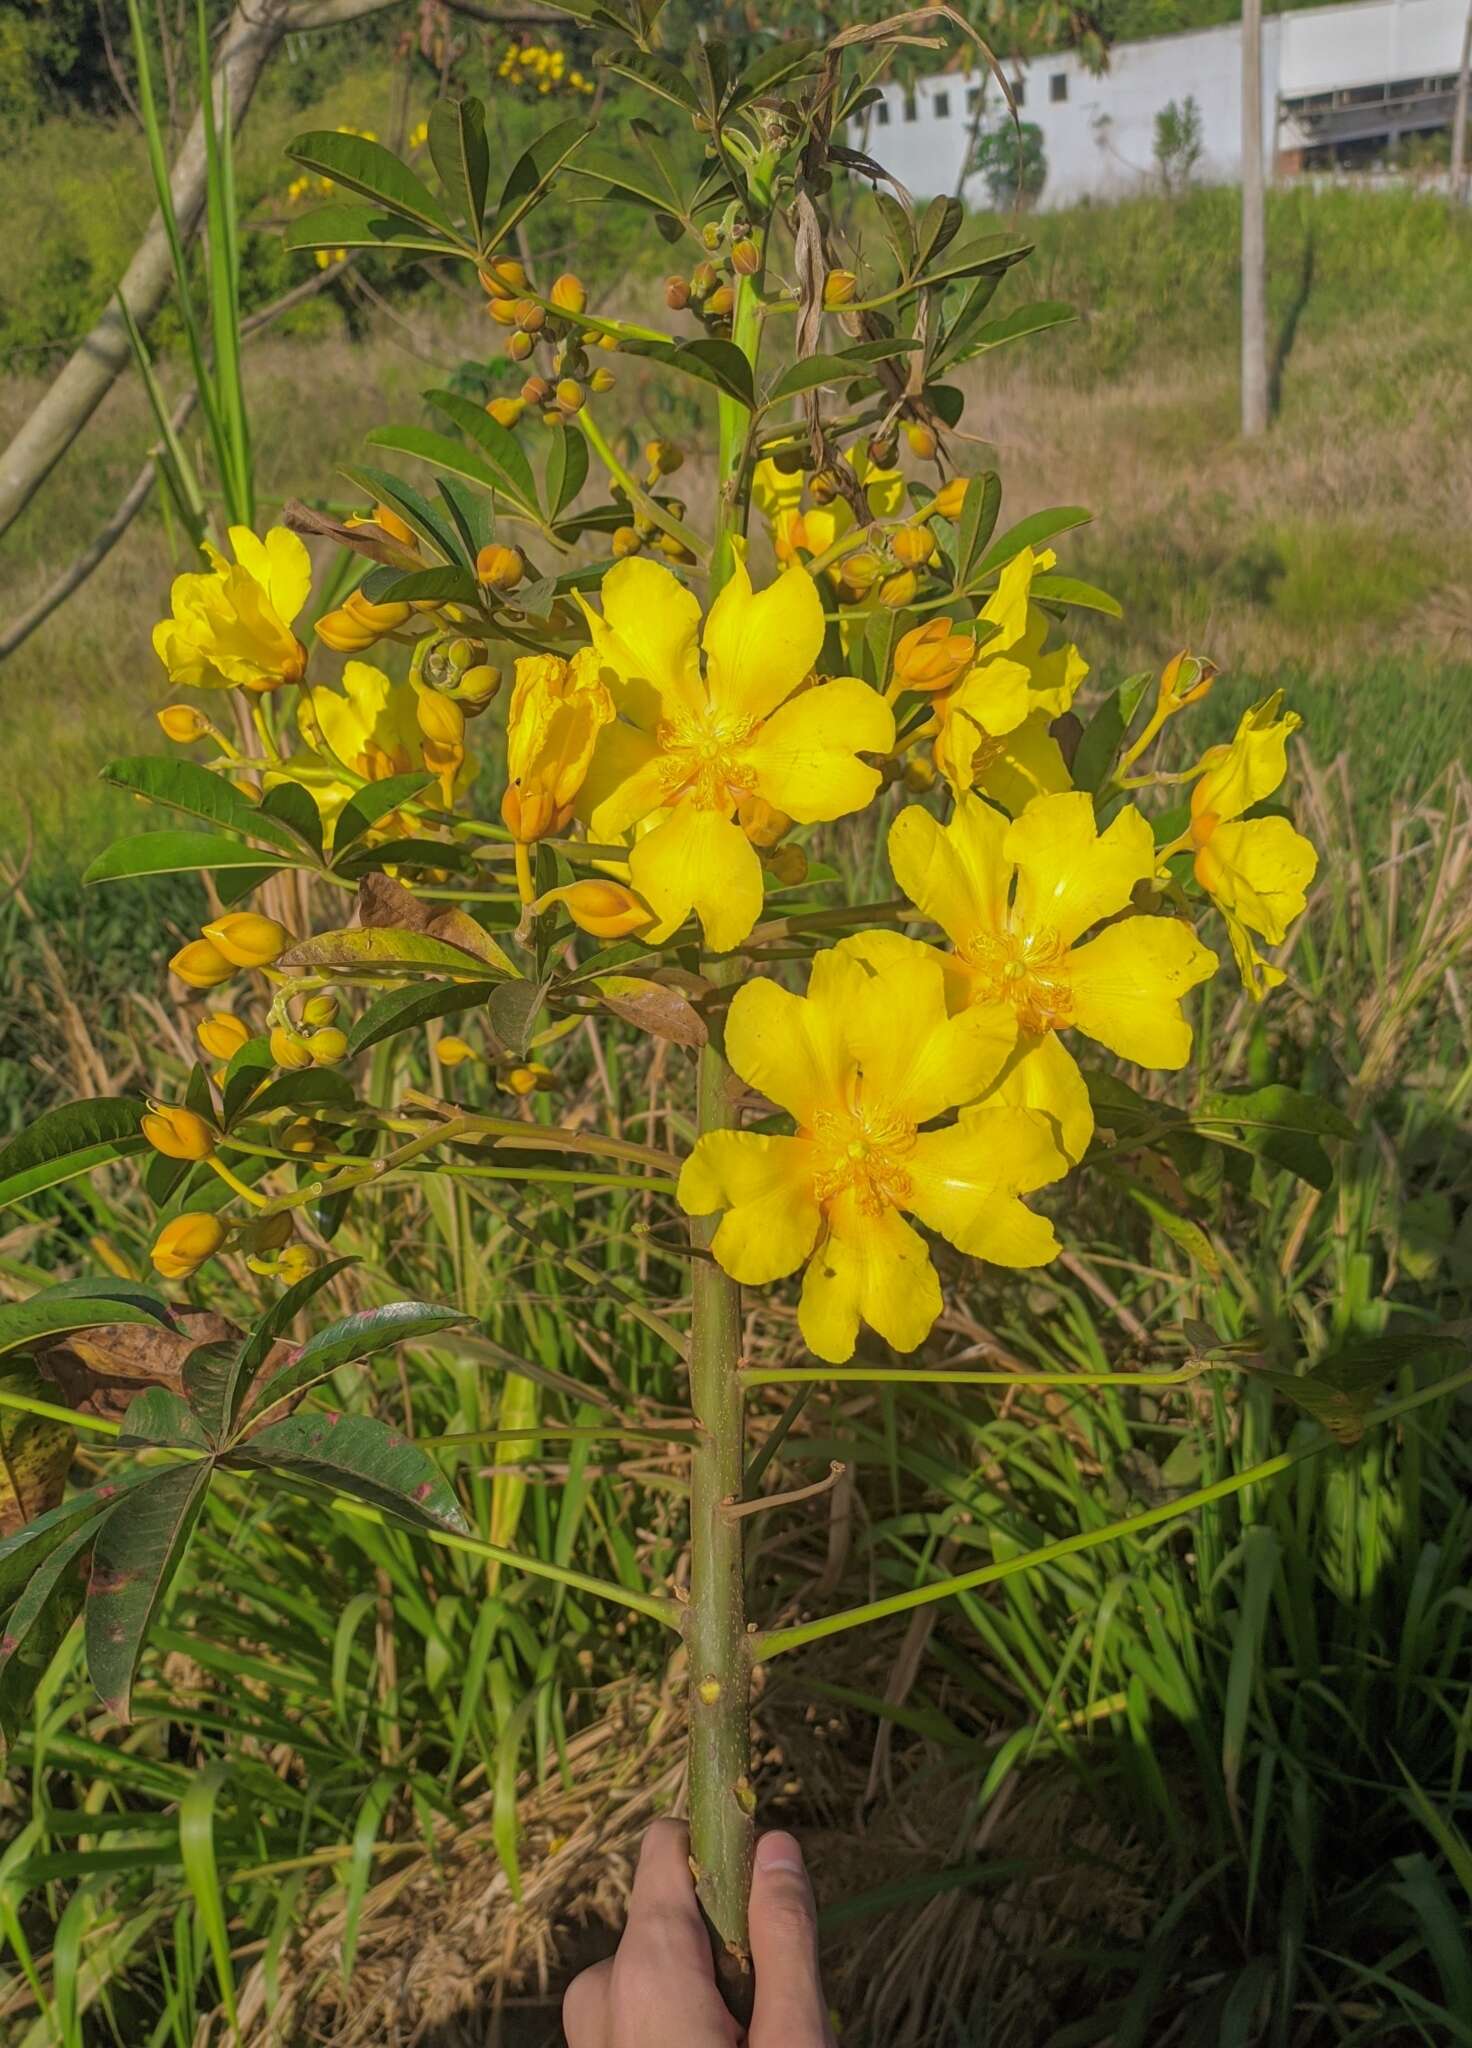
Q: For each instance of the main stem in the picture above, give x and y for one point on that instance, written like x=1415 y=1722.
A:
x=722 y=1803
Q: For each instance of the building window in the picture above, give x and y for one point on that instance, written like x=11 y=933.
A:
x=881 y=113
x=909 y=106
x=1058 y=86
x=973 y=98
x=1019 y=92
x=942 y=105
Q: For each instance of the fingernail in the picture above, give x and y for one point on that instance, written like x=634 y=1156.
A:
x=778 y=1851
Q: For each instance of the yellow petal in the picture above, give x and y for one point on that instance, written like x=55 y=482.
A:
x=1044 y=1076
x=280 y=564
x=1069 y=874
x=1128 y=984
x=994 y=695
x=1260 y=869
x=1258 y=975
x=958 y=874
x=1007 y=607
x=915 y=1060
x=805 y=757
x=1242 y=774
x=624 y=783
x=699 y=860
x=873 y=1269
x=791 y=1048
x=179 y=654
x=765 y=1184
x=966 y=1180
x=775 y=491
x=760 y=645
x=647 y=637
x=1028 y=763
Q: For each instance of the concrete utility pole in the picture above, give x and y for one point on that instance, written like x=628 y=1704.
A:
x=1459 y=118
x=1254 y=230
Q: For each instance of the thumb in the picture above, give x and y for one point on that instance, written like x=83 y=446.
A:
x=790 y=2012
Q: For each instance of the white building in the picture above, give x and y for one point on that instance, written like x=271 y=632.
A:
x=1339 y=85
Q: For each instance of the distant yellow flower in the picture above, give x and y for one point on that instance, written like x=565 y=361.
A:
x=992 y=729
x=231 y=624
x=689 y=747
x=861 y=1063
x=558 y=708
x=1015 y=900
x=1257 y=870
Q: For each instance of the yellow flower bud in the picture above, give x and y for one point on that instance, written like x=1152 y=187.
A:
x=601 y=381
x=454 y=1052
x=788 y=865
x=319 y=1010
x=288 y=1050
x=919 y=775
x=530 y=317
x=182 y=723
x=502 y=568
x=895 y=592
x=221 y=1035
x=476 y=687
x=300 y=1135
x=440 y=718
x=389 y=522
x=912 y=546
x=295 y=1263
x=720 y=302
x=745 y=257
x=357 y=623
x=185 y=1244
x=201 y=965
x=858 y=573
x=327 y=1046
x=247 y=939
x=505 y=279
x=557 y=710
x=529 y=1079
x=702 y=280
x=839 y=289
x=663 y=457
x=606 y=910
x=933 y=656
x=570 y=394
x=625 y=541
x=177 y=1132
x=519 y=346
x=568 y=294
x=506 y=411
x=503 y=312
x=949 y=499
x=762 y=822
x=921 y=439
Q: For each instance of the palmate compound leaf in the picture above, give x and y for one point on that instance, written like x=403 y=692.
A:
x=139 y=1547
x=357 y=1455
x=62 y=1143
x=185 y=786
x=369 y=168
x=27 y=1549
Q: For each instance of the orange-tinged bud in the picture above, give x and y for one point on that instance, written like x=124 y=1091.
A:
x=677 y=293
x=183 y=1245
x=720 y=302
x=530 y=317
x=454 y=1052
x=745 y=257
x=762 y=822
x=247 y=939
x=606 y=910
x=536 y=391
x=912 y=546
x=357 y=623
x=506 y=411
x=500 y=567
x=201 y=965
x=385 y=517
x=222 y=1035
x=503 y=312
x=177 y=1132
x=859 y=572
x=569 y=294
x=181 y=723
x=703 y=280
x=505 y=279
x=949 y=499
x=319 y=1010
x=288 y=1050
x=921 y=439
x=933 y=656
x=839 y=289
x=625 y=541
x=570 y=394
x=788 y=866
x=895 y=592
x=327 y=1046
x=440 y=718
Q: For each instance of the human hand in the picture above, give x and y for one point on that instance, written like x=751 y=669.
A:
x=659 y=1989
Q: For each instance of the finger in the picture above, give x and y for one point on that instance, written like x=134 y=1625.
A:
x=790 y=2012
x=663 y=1979
x=585 y=2007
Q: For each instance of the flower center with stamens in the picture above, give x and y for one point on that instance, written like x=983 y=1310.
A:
x=702 y=761
x=1028 y=970
x=862 y=1151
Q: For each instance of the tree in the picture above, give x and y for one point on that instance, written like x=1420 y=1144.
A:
x=1012 y=163
x=1177 y=143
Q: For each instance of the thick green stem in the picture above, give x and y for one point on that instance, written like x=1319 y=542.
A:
x=722 y=1804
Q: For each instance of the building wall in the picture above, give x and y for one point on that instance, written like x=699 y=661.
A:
x=1099 y=137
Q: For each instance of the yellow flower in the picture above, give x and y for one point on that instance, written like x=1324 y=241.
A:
x=368 y=729
x=777 y=495
x=177 y=1132
x=861 y=1062
x=186 y=1243
x=231 y=623
x=558 y=709
x=993 y=728
x=1256 y=869
x=688 y=748
x=1015 y=900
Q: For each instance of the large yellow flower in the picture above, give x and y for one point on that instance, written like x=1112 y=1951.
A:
x=558 y=708
x=992 y=729
x=861 y=1063
x=1015 y=900
x=687 y=748
x=1256 y=869
x=231 y=623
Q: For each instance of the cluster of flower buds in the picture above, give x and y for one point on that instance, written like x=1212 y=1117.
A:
x=662 y=459
x=238 y=939
x=539 y=69
x=315 y=1040
x=709 y=292
x=455 y=665
x=552 y=324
